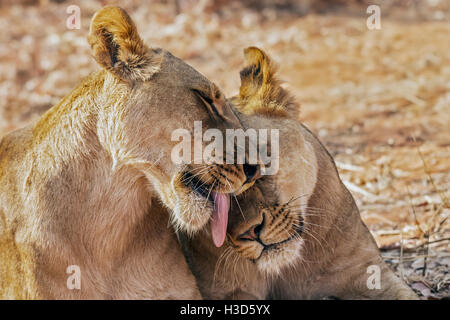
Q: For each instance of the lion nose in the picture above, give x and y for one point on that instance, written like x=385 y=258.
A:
x=252 y=172
x=252 y=234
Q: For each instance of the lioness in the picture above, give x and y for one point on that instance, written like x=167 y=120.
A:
x=297 y=234
x=83 y=184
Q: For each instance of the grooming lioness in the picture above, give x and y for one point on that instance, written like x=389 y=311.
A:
x=84 y=184
x=297 y=234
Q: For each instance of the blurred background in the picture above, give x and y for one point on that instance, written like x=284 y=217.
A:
x=378 y=99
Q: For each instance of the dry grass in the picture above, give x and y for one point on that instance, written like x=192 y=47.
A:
x=379 y=100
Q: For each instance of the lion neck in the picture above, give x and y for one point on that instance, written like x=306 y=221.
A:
x=91 y=200
x=339 y=249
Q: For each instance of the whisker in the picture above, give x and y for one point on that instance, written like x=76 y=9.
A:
x=237 y=201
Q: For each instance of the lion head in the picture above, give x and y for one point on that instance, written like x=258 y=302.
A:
x=156 y=94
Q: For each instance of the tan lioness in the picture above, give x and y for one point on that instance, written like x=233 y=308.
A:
x=297 y=234
x=83 y=185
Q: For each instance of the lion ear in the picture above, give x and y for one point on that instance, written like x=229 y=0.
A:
x=260 y=90
x=117 y=47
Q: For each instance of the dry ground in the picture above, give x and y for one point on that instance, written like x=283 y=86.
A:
x=379 y=100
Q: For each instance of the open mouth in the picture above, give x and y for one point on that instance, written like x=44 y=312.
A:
x=221 y=204
x=199 y=187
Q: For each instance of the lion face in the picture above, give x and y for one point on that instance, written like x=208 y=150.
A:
x=276 y=224
x=149 y=95
x=174 y=100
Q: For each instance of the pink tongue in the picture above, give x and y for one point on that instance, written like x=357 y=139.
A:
x=220 y=217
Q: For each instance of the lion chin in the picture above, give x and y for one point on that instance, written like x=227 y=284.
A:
x=273 y=261
x=191 y=212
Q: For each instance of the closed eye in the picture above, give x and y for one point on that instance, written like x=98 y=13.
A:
x=208 y=103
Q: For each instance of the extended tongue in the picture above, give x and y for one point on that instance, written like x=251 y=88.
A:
x=220 y=217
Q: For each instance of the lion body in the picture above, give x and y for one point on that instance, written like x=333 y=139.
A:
x=88 y=186
x=337 y=253
x=334 y=258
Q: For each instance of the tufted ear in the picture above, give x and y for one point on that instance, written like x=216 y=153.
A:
x=260 y=90
x=117 y=47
